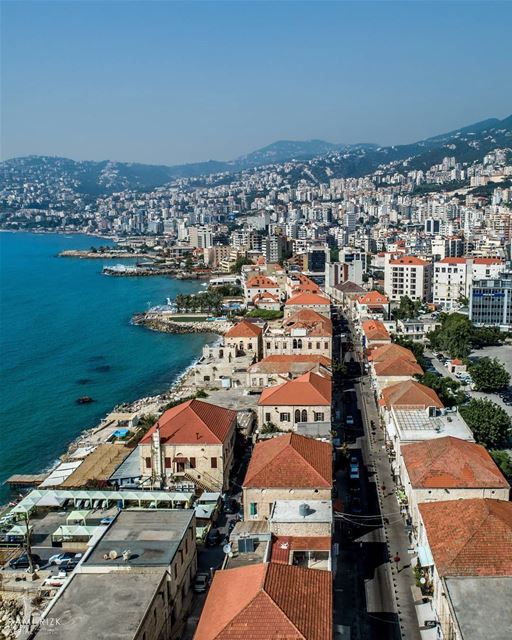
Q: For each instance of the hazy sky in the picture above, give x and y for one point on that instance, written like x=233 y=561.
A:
x=172 y=82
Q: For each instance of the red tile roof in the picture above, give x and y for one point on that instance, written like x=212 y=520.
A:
x=409 y=260
x=265 y=296
x=389 y=352
x=290 y=461
x=315 y=323
x=309 y=389
x=373 y=298
x=470 y=537
x=308 y=299
x=488 y=261
x=410 y=394
x=375 y=330
x=290 y=363
x=262 y=281
x=397 y=367
x=283 y=545
x=267 y=601
x=453 y=261
x=451 y=463
x=194 y=422
x=244 y=329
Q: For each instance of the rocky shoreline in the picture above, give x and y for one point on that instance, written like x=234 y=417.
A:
x=161 y=323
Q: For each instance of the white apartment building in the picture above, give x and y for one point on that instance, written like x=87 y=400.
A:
x=407 y=276
x=452 y=278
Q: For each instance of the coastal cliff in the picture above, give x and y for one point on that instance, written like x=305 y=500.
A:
x=165 y=325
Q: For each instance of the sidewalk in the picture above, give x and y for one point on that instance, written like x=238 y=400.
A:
x=399 y=575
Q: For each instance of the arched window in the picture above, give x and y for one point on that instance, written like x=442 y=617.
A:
x=299 y=343
x=294 y=346
x=297 y=415
x=304 y=415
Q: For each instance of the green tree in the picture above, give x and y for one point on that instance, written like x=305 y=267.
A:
x=334 y=253
x=504 y=462
x=490 y=424
x=408 y=309
x=489 y=374
x=239 y=263
x=448 y=390
x=454 y=335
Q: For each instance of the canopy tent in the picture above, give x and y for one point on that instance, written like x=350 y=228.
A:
x=76 y=517
x=67 y=533
x=57 y=497
x=18 y=531
x=50 y=500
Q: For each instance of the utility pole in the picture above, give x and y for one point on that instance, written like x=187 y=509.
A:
x=28 y=547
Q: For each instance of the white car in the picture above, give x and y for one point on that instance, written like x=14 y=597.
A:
x=64 y=558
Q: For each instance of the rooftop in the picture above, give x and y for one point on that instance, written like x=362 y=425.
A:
x=418 y=425
x=310 y=389
x=290 y=461
x=307 y=298
x=470 y=537
x=153 y=537
x=410 y=393
x=244 y=329
x=268 y=601
x=375 y=330
x=193 y=422
x=451 y=463
x=90 y=605
x=481 y=606
x=290 y=363
x=289 y=511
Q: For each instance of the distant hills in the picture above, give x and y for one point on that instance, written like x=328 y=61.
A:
x=324 y=160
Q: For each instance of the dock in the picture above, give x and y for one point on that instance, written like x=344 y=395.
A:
x=25 y=481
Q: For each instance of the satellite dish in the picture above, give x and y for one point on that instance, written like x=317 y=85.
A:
x=422 y=580
x=112 y=554
x=227 y=549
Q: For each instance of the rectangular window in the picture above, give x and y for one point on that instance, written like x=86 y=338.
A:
x=253 y=509
x=192 y=463
x=214 y=463
x=167 y=463
x=319 y=417
x=284 y=417
x=267 y=417
x=148 y=462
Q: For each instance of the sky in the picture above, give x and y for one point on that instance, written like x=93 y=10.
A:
x=176 y=82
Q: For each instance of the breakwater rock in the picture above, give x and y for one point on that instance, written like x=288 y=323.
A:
x=166 y=325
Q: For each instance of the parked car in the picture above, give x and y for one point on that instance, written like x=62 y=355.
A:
x=214 y=538
x=59 y=558
x=231 y=506
x=107 y=520
x=21 y=562
x=201 y=582
x=354 y=474
x=349 y=420
x=356 y=505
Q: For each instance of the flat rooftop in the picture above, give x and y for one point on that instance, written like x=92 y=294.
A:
x=289 y=511
x=416 y=424
x=482 y=606
x=102 y=606
x=152 y=536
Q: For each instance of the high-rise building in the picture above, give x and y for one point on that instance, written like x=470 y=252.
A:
x=490 y=302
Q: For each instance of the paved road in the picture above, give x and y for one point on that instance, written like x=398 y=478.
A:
x=372 y=595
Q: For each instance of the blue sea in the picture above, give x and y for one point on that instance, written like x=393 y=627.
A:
x=65 y=332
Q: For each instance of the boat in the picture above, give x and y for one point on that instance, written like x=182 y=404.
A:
x=84 y=400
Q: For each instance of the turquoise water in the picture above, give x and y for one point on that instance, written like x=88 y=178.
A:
x=65 y=333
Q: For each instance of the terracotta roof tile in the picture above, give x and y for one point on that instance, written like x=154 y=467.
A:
x=308 y=299
x=375 y=330
x=410 y=394
x=290 y=461
x=262 y=281
x=306 y=390
x=373 y=298
x=470 y=537
x=397 y=367
x=290 y=363
x=315 y=323
x=450 y=463
x=244 y=329
x=194 y=422
x=268 y=601
x=409 y=260
x=389 y=352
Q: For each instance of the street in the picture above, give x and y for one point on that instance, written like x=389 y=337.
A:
x=372 y=592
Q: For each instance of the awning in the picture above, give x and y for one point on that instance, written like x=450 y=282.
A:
x=425 y=557
x=77 y=516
